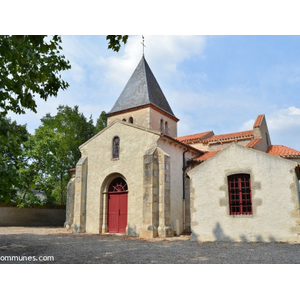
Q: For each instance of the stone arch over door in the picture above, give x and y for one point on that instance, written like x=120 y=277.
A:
x=114 y=204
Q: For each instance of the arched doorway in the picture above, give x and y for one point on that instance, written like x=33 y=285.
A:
x=117 y=206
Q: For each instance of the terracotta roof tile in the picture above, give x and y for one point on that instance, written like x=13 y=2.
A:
x=230 y=136
x=193 y=137
x=207 y=155
x=258 y=121
x=253 y=142
x=283 y=151
x=181 y=143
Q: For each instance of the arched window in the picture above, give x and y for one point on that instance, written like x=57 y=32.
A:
x=124 y=120
x=116 y=147
x=161 y=125
x=240 y=199
x=118 y=185
x=166 y=128
x=130 y=120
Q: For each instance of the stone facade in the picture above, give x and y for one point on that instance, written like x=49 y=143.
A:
x=180 y=185
x=275 y=198
x=148 y=163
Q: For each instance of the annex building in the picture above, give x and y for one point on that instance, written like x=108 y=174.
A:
x=136 y=177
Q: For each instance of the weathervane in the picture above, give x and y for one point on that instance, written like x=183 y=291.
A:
x=143 y=43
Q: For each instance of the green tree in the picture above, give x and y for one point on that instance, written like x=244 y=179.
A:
x=53 y=149
x=101 y=122
x=12 y=139
x=30 y=66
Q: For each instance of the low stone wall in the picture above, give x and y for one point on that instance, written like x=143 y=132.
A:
x=13 y=216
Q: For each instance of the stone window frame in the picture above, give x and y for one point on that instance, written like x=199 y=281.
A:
x=116 y=147
x=240 y=194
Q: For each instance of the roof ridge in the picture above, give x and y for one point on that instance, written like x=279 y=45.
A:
x=258 y=121
x=193 y=136
x=226 y=136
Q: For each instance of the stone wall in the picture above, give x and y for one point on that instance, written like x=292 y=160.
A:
x=275 y=198
x=13 y=216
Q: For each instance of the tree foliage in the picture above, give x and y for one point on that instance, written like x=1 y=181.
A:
x=53 y=149
x=101 y=122
x=12 y=139
x=30 y=66
x=115 y=41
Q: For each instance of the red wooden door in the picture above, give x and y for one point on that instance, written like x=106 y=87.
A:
x=117 y=212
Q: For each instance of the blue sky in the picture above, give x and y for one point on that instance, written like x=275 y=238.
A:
x=216 y=82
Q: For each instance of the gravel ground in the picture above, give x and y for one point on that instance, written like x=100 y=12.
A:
x=60 y=246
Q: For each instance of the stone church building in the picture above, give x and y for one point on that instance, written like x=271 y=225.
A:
x=136 y=177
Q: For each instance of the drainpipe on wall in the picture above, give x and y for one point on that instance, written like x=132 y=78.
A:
x=184 y=167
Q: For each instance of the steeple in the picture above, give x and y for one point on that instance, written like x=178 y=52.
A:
x=143 y=103
x=142 y=89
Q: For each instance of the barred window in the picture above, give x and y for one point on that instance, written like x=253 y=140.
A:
x=116 y=147
x=240 y=200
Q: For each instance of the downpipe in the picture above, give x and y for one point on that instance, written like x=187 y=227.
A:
x=184 y=167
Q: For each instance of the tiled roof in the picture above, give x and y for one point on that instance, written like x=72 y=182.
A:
x=207 y=155
x=283 y=151
x=253 y=142
x=142 y=89
x=230 y=137
x=258 y=121
x=182 y=143
x=194 y=137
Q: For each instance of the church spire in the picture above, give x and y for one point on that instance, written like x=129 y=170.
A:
x=143 y=103
x=142 y=89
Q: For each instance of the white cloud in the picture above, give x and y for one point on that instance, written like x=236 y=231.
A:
x=294 y=110
x=163 y=54
x=248 y=125
x=285 y=119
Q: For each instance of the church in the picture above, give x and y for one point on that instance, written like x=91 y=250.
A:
x=137 y=177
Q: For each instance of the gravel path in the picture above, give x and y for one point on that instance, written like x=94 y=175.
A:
x=60 y=246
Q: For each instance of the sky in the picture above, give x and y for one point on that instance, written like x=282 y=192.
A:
x=212 y=82
x=219 y=63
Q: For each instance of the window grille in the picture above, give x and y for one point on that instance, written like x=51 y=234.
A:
x=240 y=200
x=118 y=185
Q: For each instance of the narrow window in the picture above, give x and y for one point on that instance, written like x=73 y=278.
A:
x=161 y=125
x=130 y=120
x=239 y=187
x=116 y=147
x=166 y=128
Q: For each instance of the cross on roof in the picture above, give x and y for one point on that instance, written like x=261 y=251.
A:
x=143 y=43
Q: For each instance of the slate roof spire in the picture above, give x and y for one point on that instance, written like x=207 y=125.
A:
x=142 y=89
